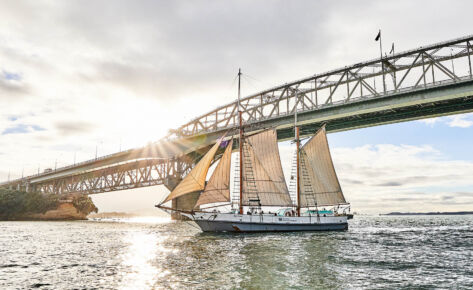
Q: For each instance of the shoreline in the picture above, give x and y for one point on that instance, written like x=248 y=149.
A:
x=65 y=211
x=427 y=213
x=35 y=206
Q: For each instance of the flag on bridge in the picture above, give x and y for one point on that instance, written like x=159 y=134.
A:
x=378 y=36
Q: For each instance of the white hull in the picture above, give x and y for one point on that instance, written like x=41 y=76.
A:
x=230 y=222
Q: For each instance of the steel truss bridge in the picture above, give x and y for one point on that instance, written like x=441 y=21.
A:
x=429 y=81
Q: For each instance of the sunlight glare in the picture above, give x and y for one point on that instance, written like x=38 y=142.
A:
x=143 y=248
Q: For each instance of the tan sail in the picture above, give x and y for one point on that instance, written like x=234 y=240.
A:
x=195 y=180
x=263 y=178
x=319 y=184
x=218 y=187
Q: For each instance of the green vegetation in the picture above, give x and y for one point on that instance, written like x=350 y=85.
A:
x=14 y=203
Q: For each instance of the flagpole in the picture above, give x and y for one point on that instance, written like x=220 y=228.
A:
x=381 y=57
x=394 y=71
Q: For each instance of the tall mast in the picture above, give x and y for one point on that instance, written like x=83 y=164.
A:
x=240 y=143
x=298 y=192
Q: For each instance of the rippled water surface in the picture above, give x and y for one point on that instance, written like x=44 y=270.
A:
x=376 y=252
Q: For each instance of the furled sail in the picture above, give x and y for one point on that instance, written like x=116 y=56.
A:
x=263 y=178
x=195 y=180
x=318 y=180
x=218 y=187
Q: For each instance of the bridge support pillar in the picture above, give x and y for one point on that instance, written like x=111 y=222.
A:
x=184 y=202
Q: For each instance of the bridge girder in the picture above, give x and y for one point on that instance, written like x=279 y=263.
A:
x=423 y=68
x=131 y=175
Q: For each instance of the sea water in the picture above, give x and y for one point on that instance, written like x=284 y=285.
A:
x=377 y=252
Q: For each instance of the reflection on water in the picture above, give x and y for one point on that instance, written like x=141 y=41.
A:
x=377 y=252
x=288 y=260
x=147 y=220
x=140 y=273
x=139 y=219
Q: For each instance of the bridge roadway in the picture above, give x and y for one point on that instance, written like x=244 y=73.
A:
x=430 y=81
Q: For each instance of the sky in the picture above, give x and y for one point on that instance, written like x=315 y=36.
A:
x=79 y=78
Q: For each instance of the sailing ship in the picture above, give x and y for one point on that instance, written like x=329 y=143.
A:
x=319 y=203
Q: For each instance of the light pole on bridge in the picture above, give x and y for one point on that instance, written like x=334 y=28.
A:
x=96 y=148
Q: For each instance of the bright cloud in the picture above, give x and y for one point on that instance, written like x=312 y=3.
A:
x=430 y=121
x=460 y=121
x=380 y=178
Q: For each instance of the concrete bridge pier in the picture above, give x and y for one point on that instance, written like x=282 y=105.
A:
x=184 y=202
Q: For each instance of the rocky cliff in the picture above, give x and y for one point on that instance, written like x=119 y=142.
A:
x=18 y=205
x=64 y=211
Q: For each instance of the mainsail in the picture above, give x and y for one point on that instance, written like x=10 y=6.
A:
x=195 y=180
x=318 y=180
x=218 y=187
x=263 y=178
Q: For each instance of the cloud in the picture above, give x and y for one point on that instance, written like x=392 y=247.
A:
x=460 y=121
x=386 y=177
x=70 y=127
x=430 y=121
x=448 y=197
x=403 y=177
x=391 y=183
x=463 y=193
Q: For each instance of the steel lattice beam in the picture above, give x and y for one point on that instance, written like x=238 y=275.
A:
x=127 y=176
x=342 y=86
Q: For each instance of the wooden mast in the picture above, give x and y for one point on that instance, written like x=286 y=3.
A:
x=240 y=143
x=298 y=192
x=298 y=145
